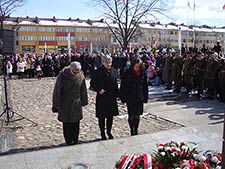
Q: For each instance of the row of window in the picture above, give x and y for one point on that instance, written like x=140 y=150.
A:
x=60 y=38
x=184 y=40
x=62 y=29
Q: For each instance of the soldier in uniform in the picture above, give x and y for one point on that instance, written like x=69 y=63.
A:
x=187 y=72
x=199 y=69
x=210 y=75
x=167 y=70
x=176 y=71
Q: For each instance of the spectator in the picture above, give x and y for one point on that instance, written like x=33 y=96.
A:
x=20 y=68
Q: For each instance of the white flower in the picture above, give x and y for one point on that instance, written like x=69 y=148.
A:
x=160 y=147
x=185 y=148
x=199 y=157
x=168 y=148
x=202 y=158
x=163 y=153
x=173 y=154
x=178 y=143
x=214 y=159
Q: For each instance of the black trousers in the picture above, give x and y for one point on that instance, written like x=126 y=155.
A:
x=133 y=121
x=71 y=132
x=109 y=123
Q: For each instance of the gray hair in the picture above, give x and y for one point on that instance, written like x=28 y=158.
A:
x=75 y=66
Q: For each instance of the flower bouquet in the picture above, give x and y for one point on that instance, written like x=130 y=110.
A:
x=172 y=155
x=175 y=155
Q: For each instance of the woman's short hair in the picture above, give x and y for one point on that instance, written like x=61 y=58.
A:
x=106 y=59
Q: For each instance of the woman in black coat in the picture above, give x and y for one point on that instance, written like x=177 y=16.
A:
x=104 y=82
x=134 y=92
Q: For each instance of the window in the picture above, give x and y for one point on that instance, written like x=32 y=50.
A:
x=46 y=38
x=63 y=29
x=46 y=29
x=65 y=38
x=83 y=30
x=27 y=38
x=27 y=29
x=81 y=39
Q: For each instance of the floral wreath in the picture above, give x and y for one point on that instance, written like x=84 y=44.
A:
x=172 y=155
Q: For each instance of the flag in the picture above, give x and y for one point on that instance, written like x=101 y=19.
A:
x=189 y=5
x=224 y=7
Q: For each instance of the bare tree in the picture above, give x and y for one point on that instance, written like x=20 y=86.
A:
x=124 y=16
x=7 y=7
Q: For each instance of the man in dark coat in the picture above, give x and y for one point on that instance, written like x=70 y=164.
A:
x=104 y=82
x=167 y=70
x=199 y=69
x=176 y=71
x=187 y=72
x=69 y=95
x=134 y=92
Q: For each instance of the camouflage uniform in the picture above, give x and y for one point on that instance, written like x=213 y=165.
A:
x=210 y=77
x=176 y=71
x=187 y=73
x=199 y=68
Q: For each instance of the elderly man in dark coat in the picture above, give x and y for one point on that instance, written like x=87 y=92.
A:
x=69 y=95
x=104 y=82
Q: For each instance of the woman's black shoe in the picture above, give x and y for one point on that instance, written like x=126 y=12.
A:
x=103 y=136
x=110 y=135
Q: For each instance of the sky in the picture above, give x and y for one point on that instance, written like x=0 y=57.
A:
x=206 y=12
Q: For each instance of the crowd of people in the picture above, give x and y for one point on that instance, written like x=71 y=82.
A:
x=198 y=70
x=201 y=72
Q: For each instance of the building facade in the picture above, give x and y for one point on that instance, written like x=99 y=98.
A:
x=40 y=35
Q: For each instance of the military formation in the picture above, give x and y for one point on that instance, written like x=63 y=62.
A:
x=201 y=73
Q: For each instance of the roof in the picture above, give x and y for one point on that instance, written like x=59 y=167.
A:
x=100 y=23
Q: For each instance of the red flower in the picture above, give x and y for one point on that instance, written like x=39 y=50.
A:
x=154 y=160
x=132 y=166
x=160 y=165
x=203 y=166
x=137 y=161
x=182 y=143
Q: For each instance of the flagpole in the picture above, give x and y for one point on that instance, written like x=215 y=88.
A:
x=188 y=7
x=69 y=52
x=179 y=40
x=45 y=48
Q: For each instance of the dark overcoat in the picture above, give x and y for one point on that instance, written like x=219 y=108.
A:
x=167 y=69
x=69 y=95
x=134 y=91
x=106 y=104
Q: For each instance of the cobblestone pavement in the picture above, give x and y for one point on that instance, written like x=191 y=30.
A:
x=32 y=98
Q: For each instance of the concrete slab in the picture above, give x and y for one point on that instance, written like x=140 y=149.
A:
x=104 y=154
